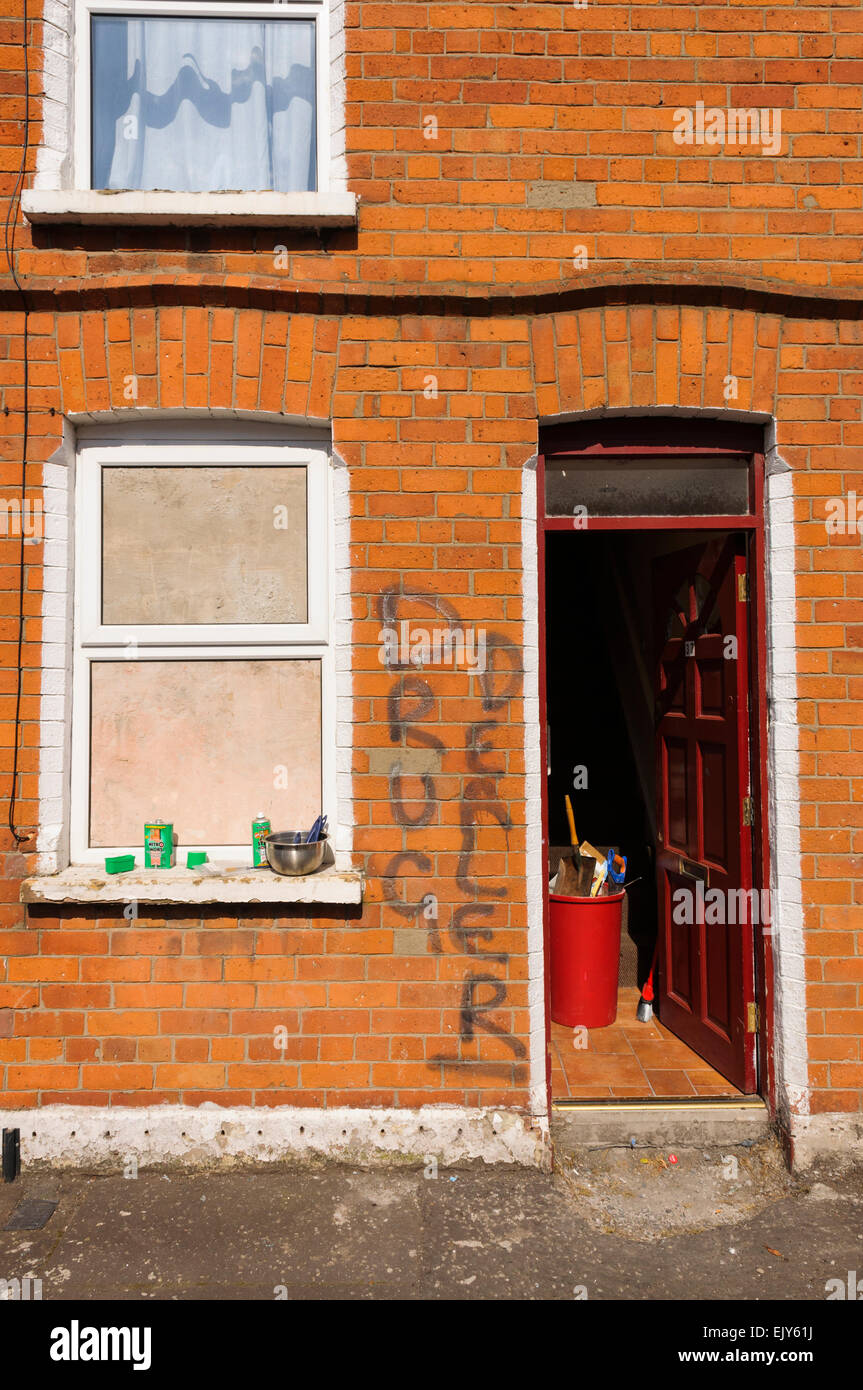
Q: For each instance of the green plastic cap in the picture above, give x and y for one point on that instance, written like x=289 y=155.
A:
x=119 y=863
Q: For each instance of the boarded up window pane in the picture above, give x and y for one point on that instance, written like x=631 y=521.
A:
x=204 y=545
x=204 y=744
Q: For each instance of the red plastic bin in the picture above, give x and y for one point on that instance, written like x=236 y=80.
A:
x=585 y=959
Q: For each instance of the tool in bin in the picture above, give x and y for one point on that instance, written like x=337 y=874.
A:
x=616 y=867
x=600 y=874
x=573 y=838
x=586 y=849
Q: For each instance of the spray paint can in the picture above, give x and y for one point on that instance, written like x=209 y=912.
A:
x=159 y=845
x=260 y=830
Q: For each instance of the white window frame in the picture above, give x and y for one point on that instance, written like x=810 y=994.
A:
x=316 y=10
x=94 y=641
x=95 y=457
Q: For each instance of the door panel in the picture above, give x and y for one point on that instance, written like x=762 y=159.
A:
x=710 y=687
x=677 y=753
x=712 y=792
x=706 y=954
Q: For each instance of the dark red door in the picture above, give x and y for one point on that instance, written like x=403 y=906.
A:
x=704 y=859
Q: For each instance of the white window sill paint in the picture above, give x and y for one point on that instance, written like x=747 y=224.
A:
x=218 y=884
x=96 y=207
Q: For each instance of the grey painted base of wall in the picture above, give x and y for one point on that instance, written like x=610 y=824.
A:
x=834 y=1139
x=108 y=1139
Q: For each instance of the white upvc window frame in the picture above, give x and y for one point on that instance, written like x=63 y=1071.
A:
x=94 y=457
x=94 y=641
x=317 y=10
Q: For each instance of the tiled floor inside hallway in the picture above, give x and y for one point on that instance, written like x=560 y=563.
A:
x=630 y=1060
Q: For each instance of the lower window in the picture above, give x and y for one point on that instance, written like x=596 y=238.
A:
x=203 y=657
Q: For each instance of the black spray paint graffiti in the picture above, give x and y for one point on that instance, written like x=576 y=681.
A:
x=397 y=800
x=401 y=719
x=478 y=801
x=411 y=699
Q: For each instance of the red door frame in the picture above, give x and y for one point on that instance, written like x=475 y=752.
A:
x=648 y=436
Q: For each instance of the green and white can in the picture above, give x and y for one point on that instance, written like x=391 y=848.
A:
x=260 y=831
x=159 y=845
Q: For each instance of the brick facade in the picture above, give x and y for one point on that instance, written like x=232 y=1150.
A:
x=542 y=247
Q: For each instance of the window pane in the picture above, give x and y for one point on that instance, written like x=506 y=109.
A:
x=631 y=486
x=204 y=545
x=200 y=743
x=203 y=105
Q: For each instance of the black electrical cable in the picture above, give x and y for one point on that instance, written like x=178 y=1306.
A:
x=9 y=244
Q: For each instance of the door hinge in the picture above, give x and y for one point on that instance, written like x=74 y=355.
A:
x=748 y=812
x=743 y=588
x=753 y=1018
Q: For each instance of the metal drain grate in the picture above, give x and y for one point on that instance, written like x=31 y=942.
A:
x=31 y=1214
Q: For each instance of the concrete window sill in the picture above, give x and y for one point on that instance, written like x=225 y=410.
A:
x=90 y=884
x=95 y=207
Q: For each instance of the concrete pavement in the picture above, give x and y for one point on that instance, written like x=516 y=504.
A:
x=629 y=1225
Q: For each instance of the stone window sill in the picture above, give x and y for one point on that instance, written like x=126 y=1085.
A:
x=91 y=884
x=95 y=207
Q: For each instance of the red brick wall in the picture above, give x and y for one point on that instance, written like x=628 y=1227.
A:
x=700 y=264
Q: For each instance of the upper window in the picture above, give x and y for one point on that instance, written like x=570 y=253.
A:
x=202 y=98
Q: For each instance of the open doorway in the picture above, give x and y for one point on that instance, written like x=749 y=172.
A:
x=648 y=699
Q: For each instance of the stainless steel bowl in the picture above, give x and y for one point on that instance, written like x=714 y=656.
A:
x=285 y=857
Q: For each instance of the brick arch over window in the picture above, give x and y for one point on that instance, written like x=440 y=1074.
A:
x=644 y=356
x=174 y=358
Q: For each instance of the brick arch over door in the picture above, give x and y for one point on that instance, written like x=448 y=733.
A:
x=175 y=358
x=642 y=356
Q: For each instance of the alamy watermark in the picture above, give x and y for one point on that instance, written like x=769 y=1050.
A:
x=850 y=1288
x=845 y=515
x=437 y=646
x=710 y=125
x=77 y=1343
x=24 y=1290
x=19 y=518
x=714 y=907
